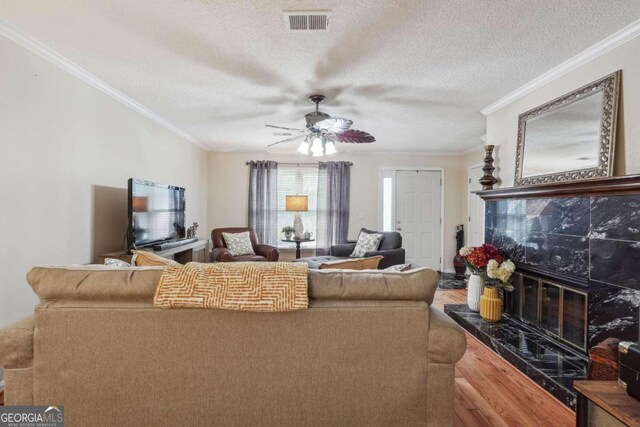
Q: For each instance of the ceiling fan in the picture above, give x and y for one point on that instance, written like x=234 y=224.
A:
x=322 y=132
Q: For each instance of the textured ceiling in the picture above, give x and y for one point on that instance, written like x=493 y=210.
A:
x=413 y=73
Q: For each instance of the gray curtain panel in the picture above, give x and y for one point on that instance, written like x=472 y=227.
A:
x=263 y=202
x=334 y=180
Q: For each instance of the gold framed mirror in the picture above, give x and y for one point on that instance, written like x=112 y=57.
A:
x=570 y=138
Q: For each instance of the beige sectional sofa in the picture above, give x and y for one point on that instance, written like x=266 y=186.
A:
x=370 y=350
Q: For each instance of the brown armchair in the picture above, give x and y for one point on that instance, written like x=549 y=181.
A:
x=220 y=253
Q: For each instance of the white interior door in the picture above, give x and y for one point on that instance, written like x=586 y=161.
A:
x=475 y=207
x=418 y=216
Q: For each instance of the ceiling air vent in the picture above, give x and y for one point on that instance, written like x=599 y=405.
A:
x=316 y=20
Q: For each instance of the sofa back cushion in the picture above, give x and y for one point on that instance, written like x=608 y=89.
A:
x=369 y=263
x=94 y=283
x=413 y=285
x=104 y=283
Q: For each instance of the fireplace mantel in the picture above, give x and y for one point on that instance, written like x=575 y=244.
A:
x=618 y=185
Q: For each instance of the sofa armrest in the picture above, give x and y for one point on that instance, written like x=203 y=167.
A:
x=16 y=344
x=343 y=250
x=447 y=340
x=269 y=252
x=390 y=257
x=221 y=255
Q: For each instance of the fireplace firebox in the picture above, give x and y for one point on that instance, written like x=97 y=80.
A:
x=555 y=308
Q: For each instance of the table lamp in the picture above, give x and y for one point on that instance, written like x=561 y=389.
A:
x=297 y=204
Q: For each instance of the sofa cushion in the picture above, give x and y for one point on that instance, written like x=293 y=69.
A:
x=249 y=258
x=94 y=283
x=238 y=243
x=413 y=285
x=369 y=263
x=366 y=243
x=315 y=261
x=16 y=344
x=398 y=267
x=149 y=259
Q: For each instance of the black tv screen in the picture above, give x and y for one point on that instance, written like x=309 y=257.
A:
x=156 y=213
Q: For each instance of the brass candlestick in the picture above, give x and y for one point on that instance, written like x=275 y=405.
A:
x=488 y=180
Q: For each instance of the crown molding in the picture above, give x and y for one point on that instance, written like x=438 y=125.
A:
x=75 y=70
x=477 y=148
x=613 y=41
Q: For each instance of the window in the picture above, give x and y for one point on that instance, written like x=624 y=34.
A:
x=387 y=200
x=297 y=180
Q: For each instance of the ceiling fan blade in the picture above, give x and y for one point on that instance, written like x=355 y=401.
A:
x=355 y=137
x=334 y=125
x=295 y=138
x=281 y=127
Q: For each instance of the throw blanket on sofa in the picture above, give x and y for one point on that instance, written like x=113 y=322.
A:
x=242 y=286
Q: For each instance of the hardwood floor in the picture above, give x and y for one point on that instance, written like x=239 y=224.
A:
x=490 y=392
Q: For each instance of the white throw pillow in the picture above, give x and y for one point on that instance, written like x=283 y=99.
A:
x=398 y=267
x=238 y=243
x=114 y=262
x=366 y=243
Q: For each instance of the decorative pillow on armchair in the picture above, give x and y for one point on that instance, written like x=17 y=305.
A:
x=238 y=243
x=366 y=243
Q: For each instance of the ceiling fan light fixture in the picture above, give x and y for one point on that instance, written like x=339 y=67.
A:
x=330 y=148
x=316 y=147
x=304 y=148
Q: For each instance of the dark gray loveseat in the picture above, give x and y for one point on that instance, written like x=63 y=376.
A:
x=390 y=248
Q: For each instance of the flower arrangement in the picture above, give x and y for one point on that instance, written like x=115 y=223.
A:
x=500 y=274
x=486 y=261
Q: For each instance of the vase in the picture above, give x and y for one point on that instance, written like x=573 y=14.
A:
x=490 y=305
x=459 y=266
x=488 y=180
x=474 y=290
x=287 y=236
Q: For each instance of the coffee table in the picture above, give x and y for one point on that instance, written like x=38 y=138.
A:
x=298 y=242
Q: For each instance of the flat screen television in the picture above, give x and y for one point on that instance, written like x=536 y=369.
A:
x=156 y=213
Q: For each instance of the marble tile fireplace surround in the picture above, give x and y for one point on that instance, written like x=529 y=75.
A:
x=577 y=249
x=573 y=251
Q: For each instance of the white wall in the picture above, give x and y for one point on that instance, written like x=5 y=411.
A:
x=66 y=152
x=229 y=183
x=502 y=125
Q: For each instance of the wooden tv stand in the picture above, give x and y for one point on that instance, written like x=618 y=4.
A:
x=194 y=251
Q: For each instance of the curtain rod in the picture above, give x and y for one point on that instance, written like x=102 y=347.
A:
x=299 y=163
